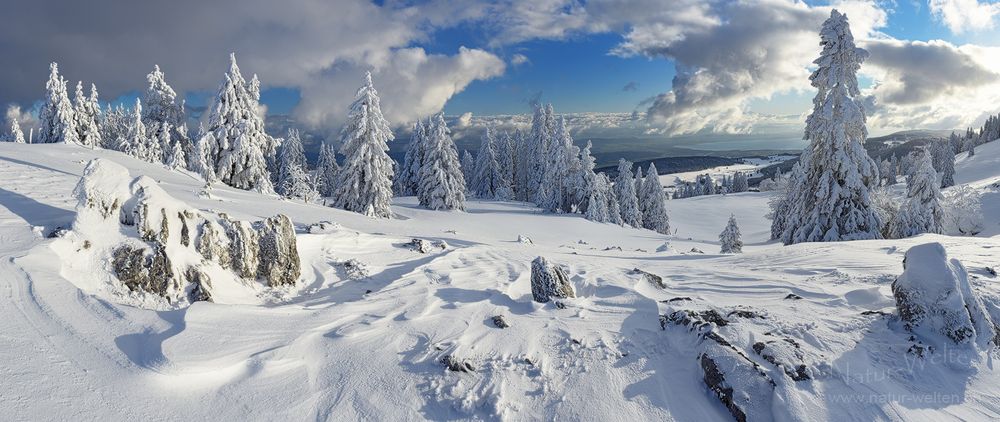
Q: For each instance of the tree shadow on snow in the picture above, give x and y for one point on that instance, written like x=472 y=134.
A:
x=35 y=213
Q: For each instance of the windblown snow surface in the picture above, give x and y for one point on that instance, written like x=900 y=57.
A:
x=342 y=346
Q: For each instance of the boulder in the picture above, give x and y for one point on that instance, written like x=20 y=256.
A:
x=549 y=281
x=936 y=301
x=278 y=259
x=650 y=278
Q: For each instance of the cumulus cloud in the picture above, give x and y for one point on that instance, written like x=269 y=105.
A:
x=25 y=119
x=519 y=59
x=317 y=45
x=965 y=15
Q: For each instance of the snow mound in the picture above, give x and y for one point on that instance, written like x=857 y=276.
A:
x=935 y=299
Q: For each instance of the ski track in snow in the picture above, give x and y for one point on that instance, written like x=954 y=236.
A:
x=327 y=350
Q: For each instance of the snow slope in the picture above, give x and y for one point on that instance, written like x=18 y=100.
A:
x=340 y=348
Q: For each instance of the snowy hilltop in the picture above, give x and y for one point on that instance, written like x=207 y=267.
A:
x=155 y=273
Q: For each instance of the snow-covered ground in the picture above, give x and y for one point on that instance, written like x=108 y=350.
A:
x=340 y=348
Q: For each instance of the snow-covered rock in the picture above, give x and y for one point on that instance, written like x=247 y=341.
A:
x=549 y=281
x=157 y=244
x=935 y=299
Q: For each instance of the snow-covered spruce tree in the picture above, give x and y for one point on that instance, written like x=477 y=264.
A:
x=506 y=158
x=175 y=156
x=597 y=201
x=970 y=147
x=522 y=165
x=540 y=139
x=639 y=192
x=16 y=135
x=490 y=181
x=365 y=181
x=922 y=211
x=582 y=179
x=409 y=171
x=114 y=127
x=781 y=205
x=943 y=159
x=468 y=170
x=162 y=111
x=730 y=238
x=654 y=208
x=614 y=209
x=552 y=191
x=56 y=121
x=86 y=113
x=293 y=178
x=239 y=147
x=327 y=170
x=442 y=185
x=136 y=142
x=628 y=202
x=833 y=202
x=741 y=182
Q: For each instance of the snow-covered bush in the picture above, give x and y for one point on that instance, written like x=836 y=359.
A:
x=936 y=301
x=963 y=211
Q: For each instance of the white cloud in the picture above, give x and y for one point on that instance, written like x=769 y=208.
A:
x=25 y=119
x=519 y=59
x=965 y=15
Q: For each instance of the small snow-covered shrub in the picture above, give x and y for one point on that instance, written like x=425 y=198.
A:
x=962 y=211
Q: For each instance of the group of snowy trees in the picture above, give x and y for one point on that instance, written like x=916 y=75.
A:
x=431 y=168
x=704 y=184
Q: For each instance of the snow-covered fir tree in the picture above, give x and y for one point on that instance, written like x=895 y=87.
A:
x=468 y=169
x=614 y=208
x=163 y=113
x=540 y=139
x=56 y=121
x=970 y=147
x=442 y=185
x=888 y=173
x=730 y=238
x=409 y=172
x=944 y=162
x=582 y=179
x=238 y=147
x=506 y=157
x=86 y=113
x=780 y=205
x=327 y=171
x=628 y=202
x=176 y=159
x=922 y=211
x=597 y=201
x=522 y=165
x=740 y=182
x=114 y=126
x=490 y=179
x=654 y=206
x=293 y=176
x=553 y=193
x=639 y=192
x=136 y=142
x=16 y=135
x=833 y=202
x=365 y=181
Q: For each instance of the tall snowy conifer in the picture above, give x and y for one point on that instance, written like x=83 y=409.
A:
x=327 y=171
x=238 y=147
x=162 y=112
x=490 y=181
x=922 y=211
x=86 y=113
x=442 y=185
x=654 y=206
x=16 y=135
x=365 y=182
x=944 y=162
x=628 y=202
x=56 y=121
x=597 y=201
x=409 y=172
x=833 y=202
x=468 y=165
x=293 y=177
x=136 y=142
x=730 y=238
x=552 y=191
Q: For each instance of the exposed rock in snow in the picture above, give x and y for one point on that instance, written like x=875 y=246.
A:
x=500 y=321
x=549 y=281
x=650 y=277
x=355 y=270
x=323 y=227
x=738 y=382
x=665 y=247
x=279 y=258
x=457 y=365
x=524 y=239
x=160 y=245
x=785 y=354
x=425 y=246
x=935 y=299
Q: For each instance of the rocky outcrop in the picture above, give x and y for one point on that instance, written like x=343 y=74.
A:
x=650 y=278
x=935 y=299
x=735 y=379
x=549 y=281
x=786 y=354
x=425 y=246
x=161 y=246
